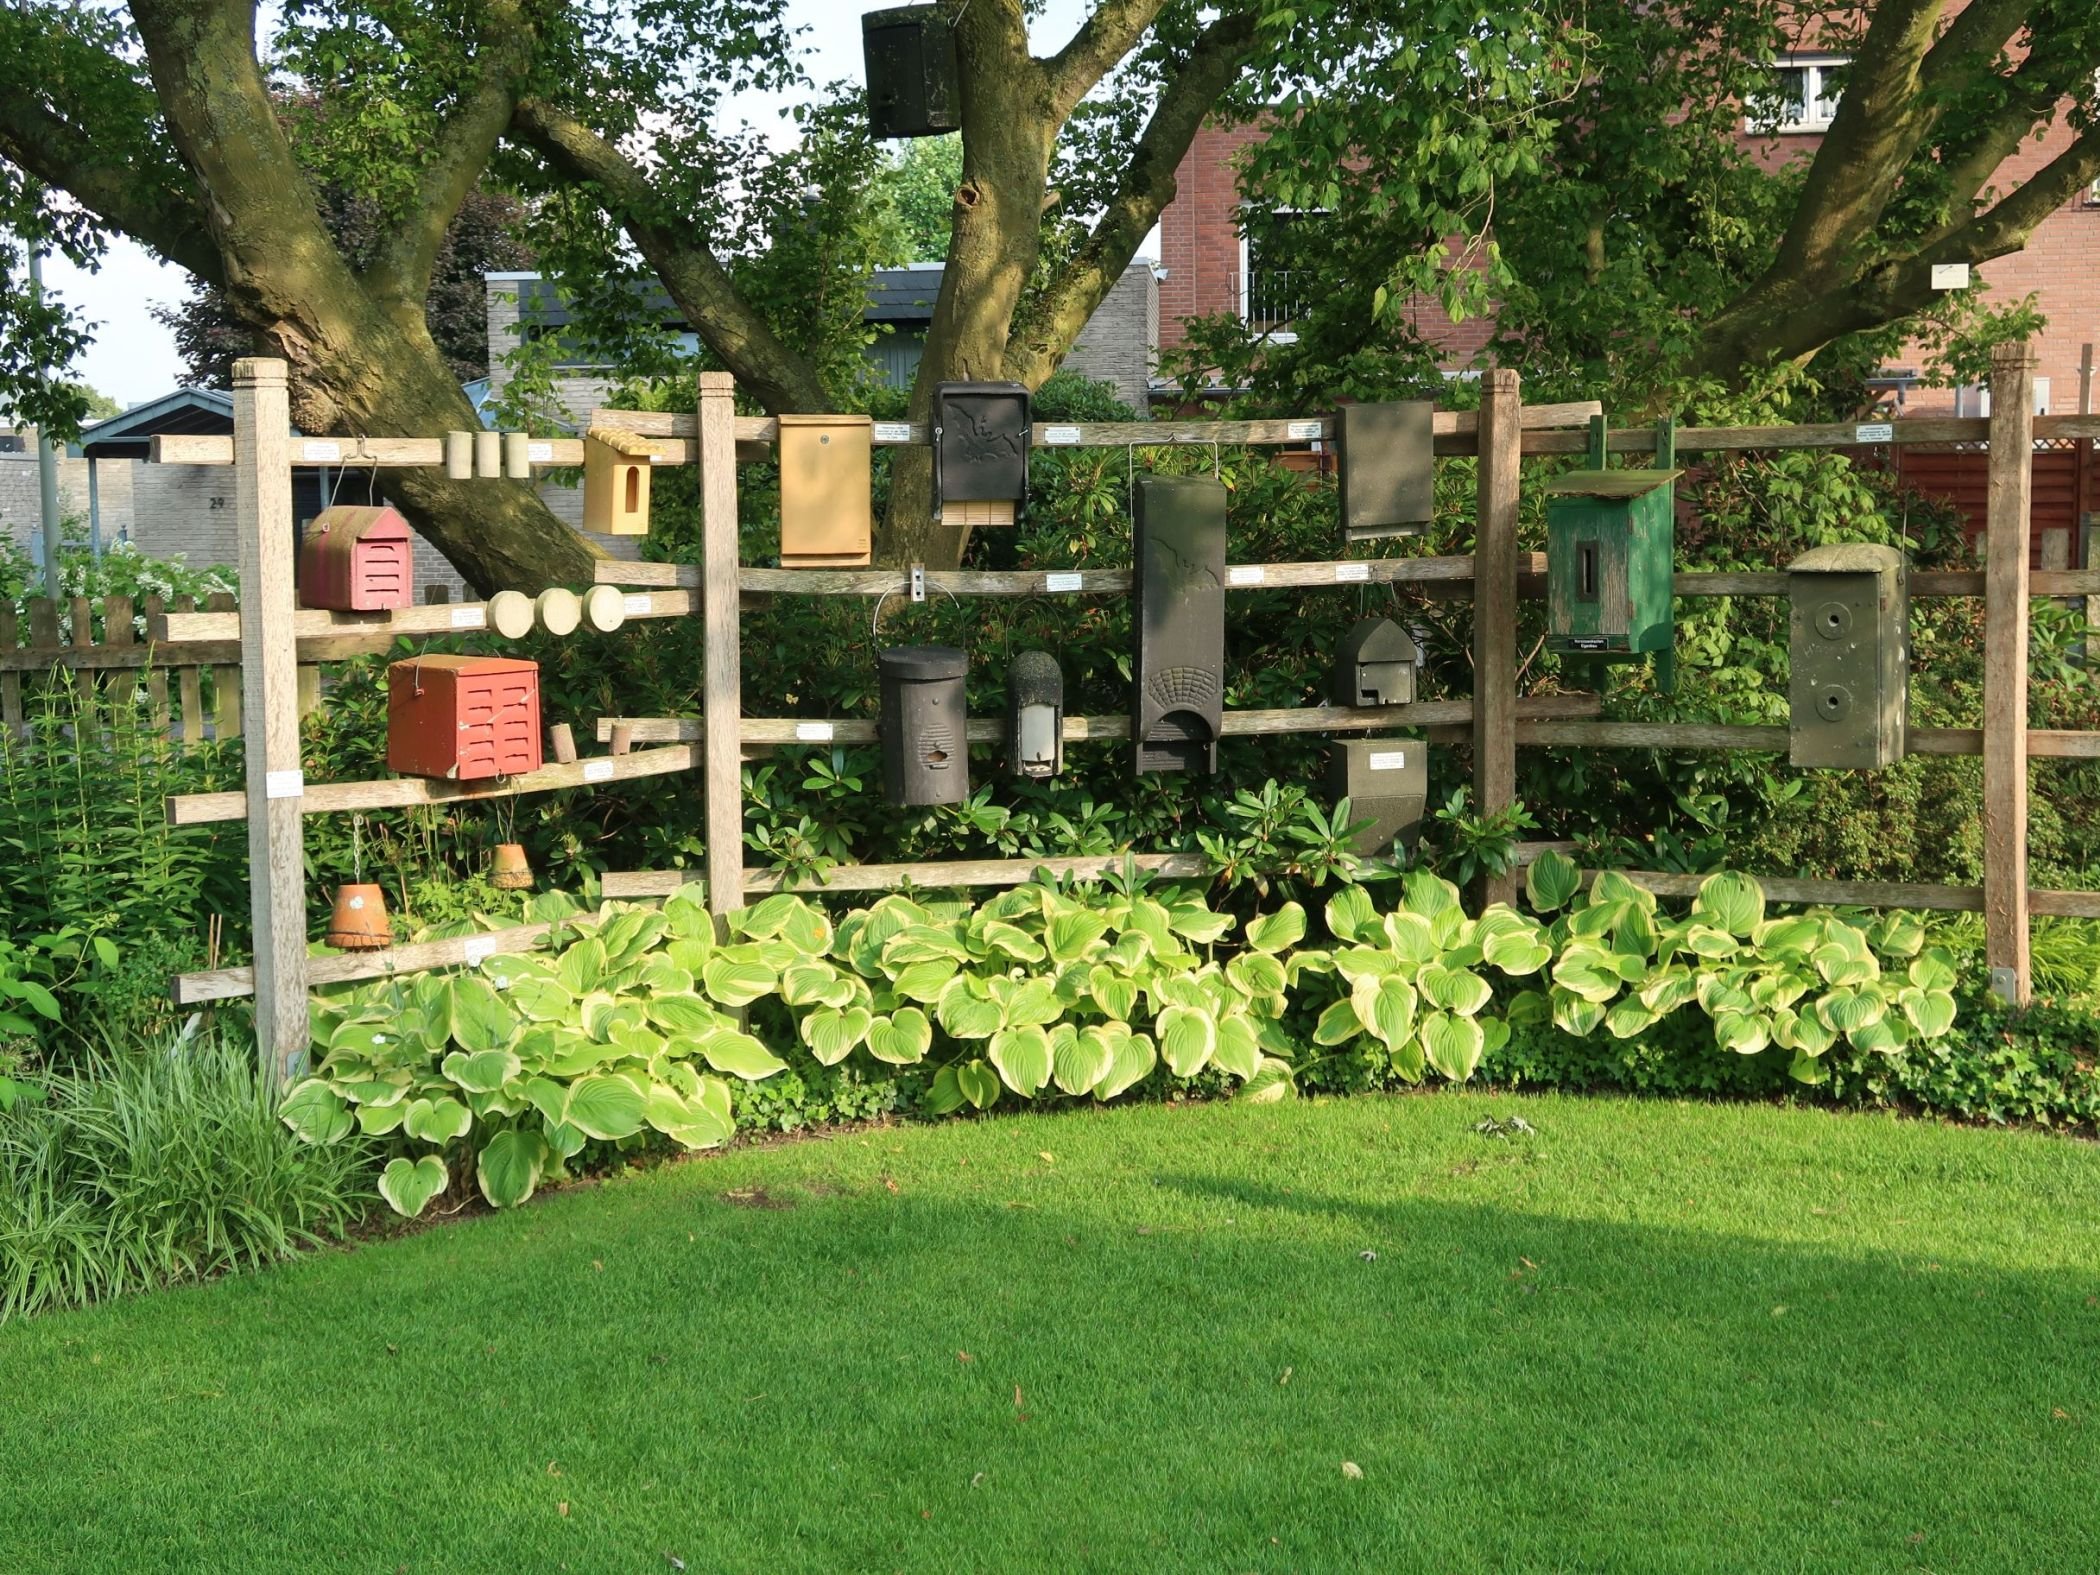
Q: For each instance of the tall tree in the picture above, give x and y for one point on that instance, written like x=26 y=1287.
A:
x=162 y=124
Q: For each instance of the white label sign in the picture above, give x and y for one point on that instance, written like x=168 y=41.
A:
x=1069 y=581
x=1061 y=437
x=597 y=771
x=540 y=453
x=1874 y=432
x=634 y=606
x=658 y=459
x=893 y=431
x=473 y=616
x=1300 y=430
x=813 y=732
x=319 y=453
x=1387 y=760
x=1245 y=574
x=284 y=784
x=1950 y=276
x=1344 y=572
x=479 y=948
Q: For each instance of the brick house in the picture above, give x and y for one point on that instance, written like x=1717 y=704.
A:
x=1220 y=256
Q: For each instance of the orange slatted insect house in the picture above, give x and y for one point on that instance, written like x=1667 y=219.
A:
x=463 y=718
x=357 y=560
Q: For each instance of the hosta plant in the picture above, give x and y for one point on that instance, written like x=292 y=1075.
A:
x=1416 y=983
x=1801 y=982
x=508 y=1067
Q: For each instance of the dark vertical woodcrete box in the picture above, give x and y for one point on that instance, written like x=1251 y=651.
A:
x=914 y=84
x=1849 y=652
x=357 y=560
x=1179 y=551
x=463 y=718
x=1388 y=468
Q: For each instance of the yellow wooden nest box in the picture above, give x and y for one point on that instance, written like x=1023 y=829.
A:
x=826 y=511
x=615 y=483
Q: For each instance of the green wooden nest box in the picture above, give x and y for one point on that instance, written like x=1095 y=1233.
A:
x=1610 y=550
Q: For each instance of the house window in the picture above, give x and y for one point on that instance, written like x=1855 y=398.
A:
x=1803 y=96
x=1281 y=252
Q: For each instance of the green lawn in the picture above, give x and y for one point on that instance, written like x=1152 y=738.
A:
x=1652 y=1337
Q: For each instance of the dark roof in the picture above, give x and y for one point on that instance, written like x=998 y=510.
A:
x=131 y=435
x=895 y=295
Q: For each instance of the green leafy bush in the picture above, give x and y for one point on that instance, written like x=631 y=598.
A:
x=1622 y=965
x=155 y=1167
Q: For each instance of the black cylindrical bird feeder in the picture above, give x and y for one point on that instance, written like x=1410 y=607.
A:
x=925 y=756
x=1035 y=715
x=914 y=85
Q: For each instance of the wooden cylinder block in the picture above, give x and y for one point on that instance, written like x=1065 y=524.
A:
x=604 y=608
x=563 y=739
x=459 y=456
x=510 y=614
x=488 y=455
x=517 y=456
x=560 y=610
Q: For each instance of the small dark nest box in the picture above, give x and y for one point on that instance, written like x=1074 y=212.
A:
x=357 y=560
x=1388 y=468
x=1035 y=715
x=1375 y=665
x=914 y=86
x=925 y=749
x=980 y=452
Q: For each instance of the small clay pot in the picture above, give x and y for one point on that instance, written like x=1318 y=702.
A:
x=359 y=922
x=508 y=868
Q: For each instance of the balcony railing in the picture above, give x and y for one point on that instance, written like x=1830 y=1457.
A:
x=1272 y=299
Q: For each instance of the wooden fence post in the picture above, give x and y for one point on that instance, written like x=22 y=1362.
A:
x=262 y=425
x=2005 y=672
x=721 y=644
x=1495 y=609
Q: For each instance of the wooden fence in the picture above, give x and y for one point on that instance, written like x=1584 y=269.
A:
x=1495 y=722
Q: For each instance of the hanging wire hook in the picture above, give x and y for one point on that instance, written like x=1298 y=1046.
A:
x=875 y=621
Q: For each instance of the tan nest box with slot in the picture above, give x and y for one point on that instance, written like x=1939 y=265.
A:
x=827 y=514
x=615 y=483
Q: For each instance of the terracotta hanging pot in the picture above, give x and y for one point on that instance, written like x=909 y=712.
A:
x=509 y=869
x=359 y=922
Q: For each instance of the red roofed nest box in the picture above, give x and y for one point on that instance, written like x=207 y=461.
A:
x=463 y=718
x=357 y=560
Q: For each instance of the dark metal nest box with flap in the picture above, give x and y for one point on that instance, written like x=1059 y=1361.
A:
x=1179 y=621
x=914 y=84
x=463 y=718
x=1388 y=468
x=980 y=452
x=925 y=738
x=1375 y=665
x=827 y=510
x=1848 y=688
x=1035 y=715
x=357 y=560
x=1386 y=781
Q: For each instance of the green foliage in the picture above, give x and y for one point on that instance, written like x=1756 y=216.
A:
x=157 y=1166
x=1802 y=983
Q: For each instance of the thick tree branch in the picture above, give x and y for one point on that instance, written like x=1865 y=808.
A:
x=155 y=206
x=780 y=378
x=1106 y=36
x=504 y=47
x=1048 y=324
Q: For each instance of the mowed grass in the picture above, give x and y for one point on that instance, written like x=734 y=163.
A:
x=1651 y=1337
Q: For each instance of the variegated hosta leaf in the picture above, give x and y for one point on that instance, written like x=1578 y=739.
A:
x=1187 y=1037
x=1350 y=915
x=1238 y=1049
x=1806 y=1068
x=1193 y=921
x=1134 y=1060
x=1588 y=971
x=1897 y=935
x=1743 y=1032
x=1278 y=931
x=1410 y=941
x=736 y=983
x=1000 y=939
x=739 y=1055
x=1256 y=973
x=409 y=1185
x=1796 y=938
x=1452 y=1043
x=1848 y=1010
x=979 y=1084
x=1387 y=1011
x=902 y=1038
x=1663 y=992
x=1429 y=895
x=832 y=1034
x=1364 y=962
x=1705 y=940
x=1551 y=881
x=1629 y=1017
x=1733 y=902
x=966 y=1012
x=316 y=1112
x=483 y=1072
x=1516 y=952
x=604 y=1107
x=1022 y=1058
x=509 y=1166
x=1080 y=1061
x=1271 y=1083
x=1340 y=1023
x=1931 y=1012
x=1575 y=1014
x=1075 y=935
x=1454 y=989
x=438 y=1121
x=1116 y=995
x=1933 y=969
x=1888 y=1034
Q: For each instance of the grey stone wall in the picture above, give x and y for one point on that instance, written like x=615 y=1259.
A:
x=20 y=501
x=1120 y=343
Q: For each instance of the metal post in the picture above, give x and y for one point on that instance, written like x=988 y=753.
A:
x=46 y=460
x=94 y=511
